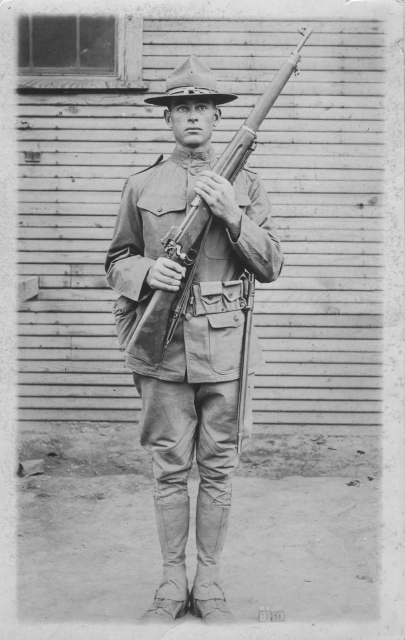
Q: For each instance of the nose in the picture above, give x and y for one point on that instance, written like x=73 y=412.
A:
x=193 y=114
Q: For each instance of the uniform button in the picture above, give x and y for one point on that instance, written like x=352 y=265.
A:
x=188 y=316
x=236 y=318
x=192 y=172
x=230 y=294
x=209 y=297
x=160 y=209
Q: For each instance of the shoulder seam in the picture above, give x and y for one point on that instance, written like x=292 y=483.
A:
x=158 y=161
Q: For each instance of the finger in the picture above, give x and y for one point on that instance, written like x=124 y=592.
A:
x=165 y=287
x=157 y=283
x=205 y=195
x=164 y=279
x=169 y=273
x=214 y=176
x=210 y=183
x=172 y=265
x=205 y=188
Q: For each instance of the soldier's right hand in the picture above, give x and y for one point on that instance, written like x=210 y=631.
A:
x=166 y=275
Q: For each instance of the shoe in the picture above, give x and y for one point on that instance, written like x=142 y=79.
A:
x=214 y=611
x=164 y=610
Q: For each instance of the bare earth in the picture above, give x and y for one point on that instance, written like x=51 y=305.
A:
x=303 y=537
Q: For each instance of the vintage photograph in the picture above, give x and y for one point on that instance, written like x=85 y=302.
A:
x=204 y=316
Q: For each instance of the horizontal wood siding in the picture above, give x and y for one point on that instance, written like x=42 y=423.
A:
x=321 y=157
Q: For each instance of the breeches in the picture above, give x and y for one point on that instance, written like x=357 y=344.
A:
x=178 y=418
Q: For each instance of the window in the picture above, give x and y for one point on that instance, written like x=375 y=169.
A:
x=80 y=52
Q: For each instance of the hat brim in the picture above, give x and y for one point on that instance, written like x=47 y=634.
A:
x=164 y=101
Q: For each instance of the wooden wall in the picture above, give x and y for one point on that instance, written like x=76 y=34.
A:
x=320 y=154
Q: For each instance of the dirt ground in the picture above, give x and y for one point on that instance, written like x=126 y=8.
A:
x=303 y=538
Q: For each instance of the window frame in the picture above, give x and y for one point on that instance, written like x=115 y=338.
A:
x=129 y=65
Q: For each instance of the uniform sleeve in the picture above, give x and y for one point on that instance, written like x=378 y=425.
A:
x=125 y=264
x=258 y=244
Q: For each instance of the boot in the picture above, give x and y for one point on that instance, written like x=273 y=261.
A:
x=207 y=599
x=171 y=599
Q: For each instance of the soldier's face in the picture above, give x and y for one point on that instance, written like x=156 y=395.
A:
x=192 y=121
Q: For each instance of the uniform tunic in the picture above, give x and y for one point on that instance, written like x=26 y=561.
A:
x=207 y=343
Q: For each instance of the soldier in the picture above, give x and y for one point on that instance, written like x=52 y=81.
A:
x=190 y=399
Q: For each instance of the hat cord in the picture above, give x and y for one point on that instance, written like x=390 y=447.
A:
x=189 y=90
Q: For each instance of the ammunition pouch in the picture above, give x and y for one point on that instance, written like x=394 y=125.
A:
x=216 y=297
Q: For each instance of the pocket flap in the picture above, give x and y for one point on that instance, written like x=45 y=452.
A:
x=159 y=205
x=226 y=319
x=211 y=288
x=232 y=289
x=122 y=305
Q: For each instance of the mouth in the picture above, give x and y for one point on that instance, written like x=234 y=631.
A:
x=193 y=130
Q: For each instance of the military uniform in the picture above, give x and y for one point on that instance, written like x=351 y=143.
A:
x=190 y=399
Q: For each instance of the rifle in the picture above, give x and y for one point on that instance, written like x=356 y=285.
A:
x=157 y=325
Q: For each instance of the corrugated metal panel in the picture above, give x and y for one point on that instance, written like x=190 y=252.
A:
x=320 y=154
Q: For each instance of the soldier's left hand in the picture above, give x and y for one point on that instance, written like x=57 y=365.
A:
x=219 y=194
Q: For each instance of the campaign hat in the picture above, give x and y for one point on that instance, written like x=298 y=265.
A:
x=191 y=78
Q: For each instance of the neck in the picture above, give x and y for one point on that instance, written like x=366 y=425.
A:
x=193 y=149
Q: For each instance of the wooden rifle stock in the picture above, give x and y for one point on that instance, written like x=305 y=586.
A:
x=149 y=340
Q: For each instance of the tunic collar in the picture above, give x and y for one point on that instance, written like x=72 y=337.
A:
x=185 y=158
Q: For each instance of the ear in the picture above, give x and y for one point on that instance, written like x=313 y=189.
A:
x=168 y=118
x=217 y=116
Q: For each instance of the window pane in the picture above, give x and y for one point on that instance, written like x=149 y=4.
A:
x=54 y=41
x=97 y=42
x=23 y=42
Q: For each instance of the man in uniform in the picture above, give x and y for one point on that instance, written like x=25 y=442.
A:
x=190 y=399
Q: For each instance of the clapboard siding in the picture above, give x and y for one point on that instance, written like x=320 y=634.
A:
x=321 y=156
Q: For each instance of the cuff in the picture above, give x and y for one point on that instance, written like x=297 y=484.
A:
x=128 y=277
x=235 y=240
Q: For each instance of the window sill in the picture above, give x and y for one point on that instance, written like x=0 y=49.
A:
x=79 y=82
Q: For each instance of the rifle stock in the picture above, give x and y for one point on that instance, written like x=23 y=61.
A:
x=148 y=341
x=154 y=327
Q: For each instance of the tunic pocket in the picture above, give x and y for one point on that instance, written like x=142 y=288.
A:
x=225 y=339
x=124 y=311
x=159 y=213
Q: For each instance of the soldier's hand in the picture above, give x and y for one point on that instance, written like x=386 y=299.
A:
x=218 y=193
x=165 y=274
